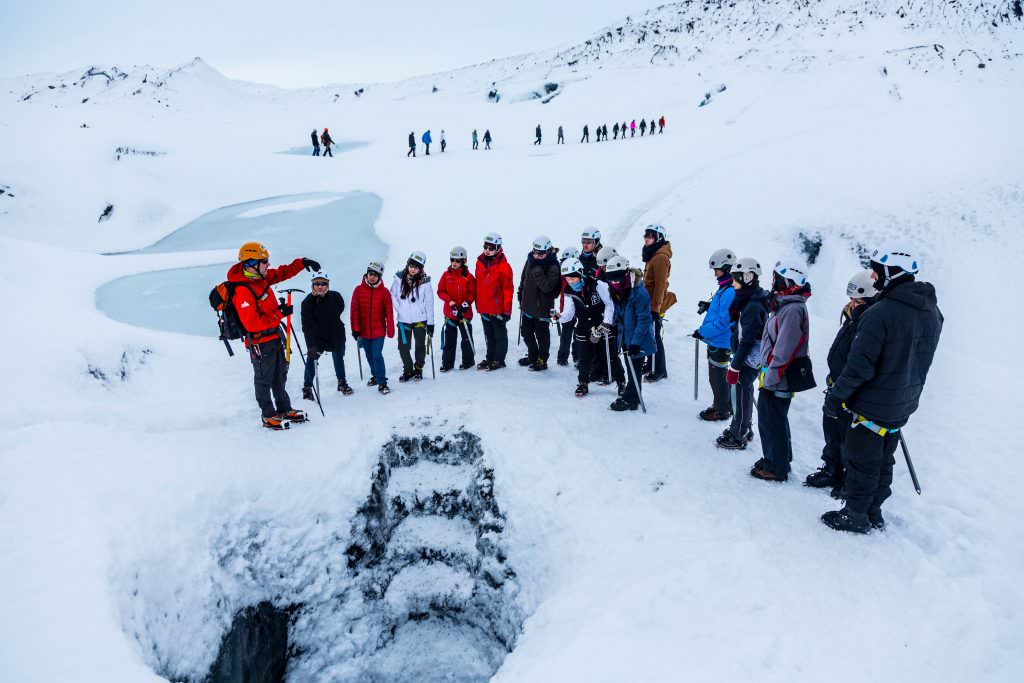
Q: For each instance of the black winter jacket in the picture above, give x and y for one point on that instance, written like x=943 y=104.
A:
x=316 y=140
x=746 y=336
x=588 y=259
x=891 y=352
x=539 y=285
x=321 y=321
x=840 y=349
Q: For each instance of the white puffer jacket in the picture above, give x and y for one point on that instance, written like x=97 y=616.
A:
x=418 y=307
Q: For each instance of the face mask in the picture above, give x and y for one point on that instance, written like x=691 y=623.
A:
x=619 y=285
x=576 y=286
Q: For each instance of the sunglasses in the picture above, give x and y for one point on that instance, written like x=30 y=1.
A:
x=458 y=260
x=539 y=252
x=490 y=247
x=320 y=284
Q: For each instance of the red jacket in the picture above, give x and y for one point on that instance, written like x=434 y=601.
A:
x=371 y=312
x=494 y=285
x=260 y=314
x=454 y=286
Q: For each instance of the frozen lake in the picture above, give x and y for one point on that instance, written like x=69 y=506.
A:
x=334 y=228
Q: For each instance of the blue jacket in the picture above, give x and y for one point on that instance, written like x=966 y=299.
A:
x=717 y=326
x=426 y=138
x=633 y=317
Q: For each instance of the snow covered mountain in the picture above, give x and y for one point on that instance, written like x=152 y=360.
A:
x=494 y=524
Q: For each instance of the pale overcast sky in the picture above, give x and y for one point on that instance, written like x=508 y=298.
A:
x=293 y=43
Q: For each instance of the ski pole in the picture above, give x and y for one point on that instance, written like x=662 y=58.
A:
x=430 y=350
x=469 y=335
x=910 y=464
x=632 y=378
x=696 y=366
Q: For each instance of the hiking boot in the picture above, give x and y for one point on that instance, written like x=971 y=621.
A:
x=620 y=404
x=876 y=520
x=824 y=477
x=765 y=474
x=654 y=377
x=344 y=388
x=539 y=364
x=582 y=390
x=729 y=442
x=484 y=365
x=276 y=423
x=445 y=368
x=466 y=365
x=844 y=520
x=417 y=374
x=712 y=415
x=307 y=394
x=496 y=365
x=564 y=362
x=372 y=382
x=383 y=388
x=760 y=464
x=294 y=415
x=526 y=361
x=406 y=376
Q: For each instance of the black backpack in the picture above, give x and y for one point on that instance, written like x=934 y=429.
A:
x=230 y=325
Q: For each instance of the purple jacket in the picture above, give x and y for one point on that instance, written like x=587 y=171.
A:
x=786 y=335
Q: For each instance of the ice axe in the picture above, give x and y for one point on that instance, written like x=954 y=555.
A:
x=288 y=327
x=910 y=464
x=696 y=367
x=632 y=378
x=469 y=335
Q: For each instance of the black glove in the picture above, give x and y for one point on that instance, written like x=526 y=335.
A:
x=633 y=350
x=457 y=314
x=286 y=309
x=311 y=265
x=430 y=330
x=702 y=307
x=355 y=334
x=833 y=406
x=697 y=335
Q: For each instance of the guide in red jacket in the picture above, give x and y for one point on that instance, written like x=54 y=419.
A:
x=494 y=291
x=259 y=312
x=372 y=319
x=457 y=289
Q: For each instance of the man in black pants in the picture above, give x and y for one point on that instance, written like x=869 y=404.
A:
x=881 y=384
x=316 y=143
x=586 y=134
x=537 y=134
x=324 y=331
x=538 y=287
x=412 y=145
x=561 y=137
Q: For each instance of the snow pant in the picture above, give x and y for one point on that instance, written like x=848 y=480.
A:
x=496 y=337
x=773 y=428
x=537 y=141
x=869 y=461
x=411 y=152
x=487 y=144
x=450 y=338
x=561 y=139
x=339 y=366
x=444 y=143
x=426 y=146
x=643 y=129
x=475 y=144
x=632 y=132
x=585 y=138
x=615 y=134
x=327 y=151
x=657 y=361
x=834 y=429
x=742 y=418
x=567 y=343
x=316 y=151
x=270 y=373
x=718 y=363
x=599 y=367
x=537 y=335
x=406 y=333
x=661 y=129
x=632 y=393
x=374 y=350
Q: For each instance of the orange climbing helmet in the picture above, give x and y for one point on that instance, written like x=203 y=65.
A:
x=253 y=251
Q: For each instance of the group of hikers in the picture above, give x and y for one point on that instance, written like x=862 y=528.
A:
x=324 y=139
x=609 y=315
x=618 y=132
x=427 y=138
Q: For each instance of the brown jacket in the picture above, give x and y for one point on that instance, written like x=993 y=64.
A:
x=656 y=275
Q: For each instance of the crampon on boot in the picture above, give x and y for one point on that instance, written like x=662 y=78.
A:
x=539 y=365
x=483 y=365
x=406 y=376
x=466 y=365
x=294 y=415
x=276 y=423
x=417 y=373
x=620 y=404
x=307 y=394
x=526 y=361
x=730 y=442
x=344 y=388
x=712 y=415
x=844 y=520
x=383 y=389
x=823 y=477
x=582 y=390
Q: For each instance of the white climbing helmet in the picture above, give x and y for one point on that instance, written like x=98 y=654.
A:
x=376 y=267
x=492 y=238
x=896 y=256
x=748 y=268
x=569 y=252
x=319 y=276
x=658 y=230
x=572 y=266
x=541 y=243
x=605 y=254
x=591 y=234
x=793 y=271
x=418 y=257
x=617 y=264
x=861 y=285
x=458 y=253
x=723 y=259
